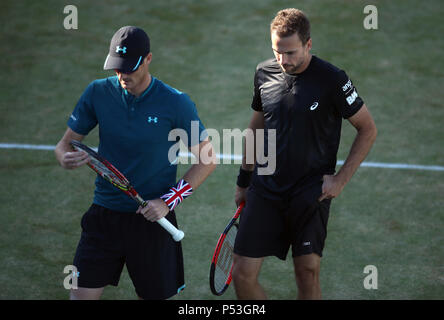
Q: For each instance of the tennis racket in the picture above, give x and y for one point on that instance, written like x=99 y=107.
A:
x=222 y=262
x=107 y=171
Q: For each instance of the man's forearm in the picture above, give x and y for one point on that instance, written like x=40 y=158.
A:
x=359 y=150
x=249 y=144
x=206 y=164
x=246 y=165
x=197 y=174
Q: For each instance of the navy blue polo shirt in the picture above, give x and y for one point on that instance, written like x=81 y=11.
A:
x=133 y=134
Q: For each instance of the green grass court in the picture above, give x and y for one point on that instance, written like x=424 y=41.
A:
x=390 y=218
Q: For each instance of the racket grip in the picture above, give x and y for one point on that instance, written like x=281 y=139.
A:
x=168 y=226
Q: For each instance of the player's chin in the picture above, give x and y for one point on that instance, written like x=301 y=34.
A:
x=125 y=84
x=289 y=69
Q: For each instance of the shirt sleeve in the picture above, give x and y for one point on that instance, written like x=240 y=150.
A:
x=188 y=120
x=256 y=104
x=345 y=96
x=83 y=119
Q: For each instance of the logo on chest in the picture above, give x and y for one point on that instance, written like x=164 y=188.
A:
x=152 y=119
x=314 y=106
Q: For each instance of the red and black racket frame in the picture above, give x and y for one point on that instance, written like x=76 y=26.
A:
x=232 y=224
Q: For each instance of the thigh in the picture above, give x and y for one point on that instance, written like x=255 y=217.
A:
x=312 y=233
x=261 y=229
x=86 y=293
x=99 y=258
x=309 y=262
x=246 y=267
x=153 y=259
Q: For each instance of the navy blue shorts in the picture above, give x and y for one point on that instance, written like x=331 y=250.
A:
x=269 y=227
x=111 y=239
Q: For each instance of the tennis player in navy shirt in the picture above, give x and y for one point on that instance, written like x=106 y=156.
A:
x=135 y=112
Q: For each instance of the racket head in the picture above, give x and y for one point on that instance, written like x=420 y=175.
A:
x=105 y=169
x=222 y=262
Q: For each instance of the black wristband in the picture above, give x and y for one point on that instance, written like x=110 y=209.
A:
x=244 y=178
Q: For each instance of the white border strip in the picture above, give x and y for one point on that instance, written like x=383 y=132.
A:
x=383 y=165
x=25 y=146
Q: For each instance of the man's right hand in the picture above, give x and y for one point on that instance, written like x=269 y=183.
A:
x=65 y=154
x=240 y=195
x=73 y=159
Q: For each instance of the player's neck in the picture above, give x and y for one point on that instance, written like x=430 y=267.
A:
x=144 y=84
x=305 y=65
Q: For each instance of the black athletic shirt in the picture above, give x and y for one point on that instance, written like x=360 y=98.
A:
x=306 y=110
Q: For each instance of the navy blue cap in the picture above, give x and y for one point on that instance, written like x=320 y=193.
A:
x=129 y=45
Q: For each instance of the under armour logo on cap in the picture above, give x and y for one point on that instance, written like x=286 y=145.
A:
x=119 y=49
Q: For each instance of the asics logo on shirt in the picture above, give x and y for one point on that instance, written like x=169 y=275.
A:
x=152 y=119
x=314 y=106
x=119 y=49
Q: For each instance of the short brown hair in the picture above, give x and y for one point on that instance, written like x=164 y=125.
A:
x=289 y=21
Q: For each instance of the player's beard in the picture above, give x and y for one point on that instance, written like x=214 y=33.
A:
x=294 y=68
x=299 y=66
x=289 y=68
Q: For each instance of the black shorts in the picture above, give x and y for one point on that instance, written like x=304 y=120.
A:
x=111 y=239
x=269 y=227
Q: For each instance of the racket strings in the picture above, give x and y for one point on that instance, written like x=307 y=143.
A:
x=107 y=174
x=222 y=274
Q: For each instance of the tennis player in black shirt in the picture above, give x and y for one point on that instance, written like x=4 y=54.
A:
x=304 y=99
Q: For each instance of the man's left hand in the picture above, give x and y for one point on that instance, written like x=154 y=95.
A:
x=331 y=187
x=154 y=210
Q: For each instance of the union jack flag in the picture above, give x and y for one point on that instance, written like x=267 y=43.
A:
x=176 y=194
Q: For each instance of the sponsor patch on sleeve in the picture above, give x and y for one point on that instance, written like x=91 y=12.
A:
x=350 y=92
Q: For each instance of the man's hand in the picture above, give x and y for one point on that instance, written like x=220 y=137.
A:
x=154 y=210
x=65 y=154
x=74 y=159
x=332 y=187
x=240 y=195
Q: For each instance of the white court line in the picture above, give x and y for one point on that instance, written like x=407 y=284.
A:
x=239 y=157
